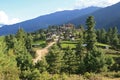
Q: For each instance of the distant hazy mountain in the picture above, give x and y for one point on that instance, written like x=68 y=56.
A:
x=56 y=18
x=1 y=25
x=105 y=18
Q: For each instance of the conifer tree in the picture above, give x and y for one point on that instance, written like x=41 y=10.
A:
x=115 y=39
x=54 y=60
x=28 y=42
x=80 y=46
x=70 y=61
x=91 y=35
x=9 y=39
x=20 y=34
x=8 y=65
x=80 y=55
x=94 y=61
x=109 y=36
x=103 y=35
x=98 y=33
x=23 y=57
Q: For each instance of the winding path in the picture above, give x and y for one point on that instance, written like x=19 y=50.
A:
x=42 y=52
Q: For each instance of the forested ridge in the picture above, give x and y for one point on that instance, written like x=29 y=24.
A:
x=78 y=54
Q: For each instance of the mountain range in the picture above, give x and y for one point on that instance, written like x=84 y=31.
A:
x=104 y=17
x=44 y=21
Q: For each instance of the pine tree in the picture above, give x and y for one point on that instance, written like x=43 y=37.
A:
x=94 y=61
x=103 y=35
x=91 y=35
x=80 y=46
x=80 y=55
x=115 y=39
x=109 y=36
x=70 y=61
x=54 y=60
x=112 y=37
x=108 y=40
x=23 y=57
x=98 y=33
x=20 y=34
x=28 y=42
x=9 y=41
x=8 y=65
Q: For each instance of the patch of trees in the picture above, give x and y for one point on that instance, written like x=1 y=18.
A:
x=110 y=37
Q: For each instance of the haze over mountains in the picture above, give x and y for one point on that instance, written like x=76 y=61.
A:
x=105 y=17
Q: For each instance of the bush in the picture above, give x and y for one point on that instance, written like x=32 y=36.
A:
x=87 y=75
x=44 y=76
x=117 y=74
x=55 y=77
x=64 y=76
x=92 y=76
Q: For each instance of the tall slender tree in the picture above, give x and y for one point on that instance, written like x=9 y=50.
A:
x=115 y=39
x=103 y=35
x=109 y=36
x=79 y=46
x=91 y=35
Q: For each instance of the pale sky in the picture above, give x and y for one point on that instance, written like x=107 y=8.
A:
x=13 y=11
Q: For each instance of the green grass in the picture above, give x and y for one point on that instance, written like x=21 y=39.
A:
x=65 y=44
x=101 y=44
x=72 y=44
x=68 y=42
x=41 y=43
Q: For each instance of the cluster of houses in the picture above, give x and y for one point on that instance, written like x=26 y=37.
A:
x=63 y=32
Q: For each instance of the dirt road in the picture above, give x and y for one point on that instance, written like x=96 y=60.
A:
x=42 y=52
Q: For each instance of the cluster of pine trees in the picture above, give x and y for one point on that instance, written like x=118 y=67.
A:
x=16 y=57
x=110 y=37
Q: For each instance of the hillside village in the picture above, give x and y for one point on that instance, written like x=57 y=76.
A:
x=64 y=45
